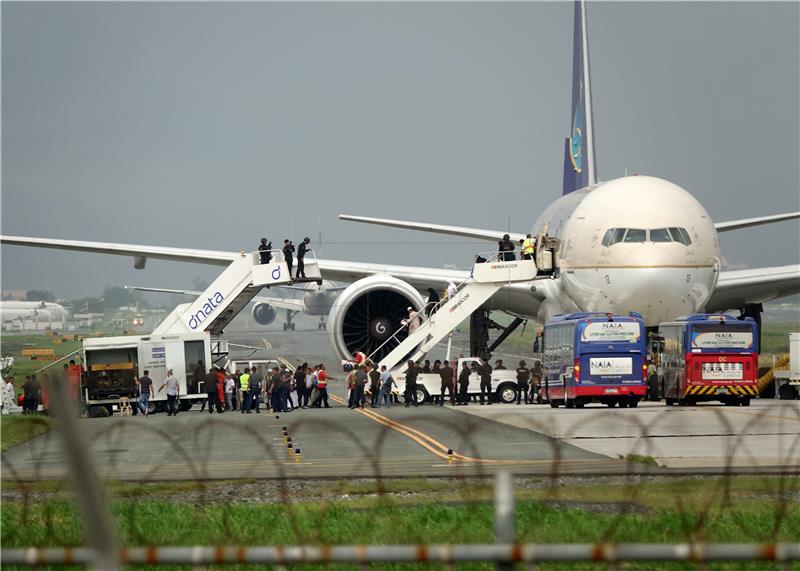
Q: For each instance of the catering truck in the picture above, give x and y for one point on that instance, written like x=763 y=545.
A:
x=112 y=366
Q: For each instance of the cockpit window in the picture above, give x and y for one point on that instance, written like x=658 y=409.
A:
x=613 y=235
x=680 y=235
x=660 y=235
x=635 y=235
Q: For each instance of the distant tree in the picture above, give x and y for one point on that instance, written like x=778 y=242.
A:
x=88 y=305
x=39 y=295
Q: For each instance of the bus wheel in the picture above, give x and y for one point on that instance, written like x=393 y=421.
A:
x=611 y=403
x=633 y=402
x=670 y=402
x=745 y=401
x=684 y=402
x=579 y=403
x=553 y=404
x=569 y=403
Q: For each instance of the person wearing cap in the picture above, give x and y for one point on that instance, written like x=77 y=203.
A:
x=264 y=250
x=506 y=248
x=301 y=254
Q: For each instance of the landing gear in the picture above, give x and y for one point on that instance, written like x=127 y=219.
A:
x=322 y=325
x=289 y=325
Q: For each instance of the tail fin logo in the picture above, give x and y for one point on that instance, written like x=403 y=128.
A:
x=576 y=140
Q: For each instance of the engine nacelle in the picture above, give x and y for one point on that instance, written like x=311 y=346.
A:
x=370 y=311
x=264 y=313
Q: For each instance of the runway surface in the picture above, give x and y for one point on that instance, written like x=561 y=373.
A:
x=399 y=441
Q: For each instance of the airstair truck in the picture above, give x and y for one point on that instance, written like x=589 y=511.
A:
x=181 y=342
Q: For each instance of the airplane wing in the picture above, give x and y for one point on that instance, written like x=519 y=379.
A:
x=334 y=270
x=280 y=303
x=737 y=287
x=748 y=222
x=463 y=231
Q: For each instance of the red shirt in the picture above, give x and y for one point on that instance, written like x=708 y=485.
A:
x=322 y=380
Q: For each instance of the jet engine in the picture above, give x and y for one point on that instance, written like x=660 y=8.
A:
x=264 y=313
x=370 y=311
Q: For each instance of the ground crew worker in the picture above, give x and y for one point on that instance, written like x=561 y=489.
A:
x=322 y=386
x=264 y=251
x=288 y=254
x=211 y=391
x=244 y=385
x=528 y=246
x=463 y=384
x=411 y=384
x=485 y=372
x=301 y=254
x=499 y=366
x=523 y=380
x=446 y=374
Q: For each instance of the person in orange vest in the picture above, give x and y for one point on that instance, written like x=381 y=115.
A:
x=322 y=386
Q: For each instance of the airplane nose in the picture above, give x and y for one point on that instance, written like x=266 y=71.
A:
x=650 y=272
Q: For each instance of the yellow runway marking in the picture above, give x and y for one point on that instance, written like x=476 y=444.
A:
x=430 y=443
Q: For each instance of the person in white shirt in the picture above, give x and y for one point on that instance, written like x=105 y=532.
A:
x=414 y=320
x=229 y=387
x=173 y=389
x=452 y=290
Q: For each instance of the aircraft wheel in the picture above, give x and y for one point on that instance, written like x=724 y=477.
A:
x=670 y=402
x=787 y=392
x=284 y=327
x=292 y=326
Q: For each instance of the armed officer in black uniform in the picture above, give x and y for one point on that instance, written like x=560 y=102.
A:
x=264 y=250
x=523 y=382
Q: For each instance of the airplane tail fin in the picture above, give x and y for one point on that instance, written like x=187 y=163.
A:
x=579 y=164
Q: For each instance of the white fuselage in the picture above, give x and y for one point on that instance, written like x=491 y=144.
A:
x=36 y=310
x=650 y=272
x=317 y=300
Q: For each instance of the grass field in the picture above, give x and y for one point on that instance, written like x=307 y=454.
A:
x=744 y=509
x=14 y=344
x=16 y=429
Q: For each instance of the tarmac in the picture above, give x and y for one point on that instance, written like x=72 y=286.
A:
x=427 y=441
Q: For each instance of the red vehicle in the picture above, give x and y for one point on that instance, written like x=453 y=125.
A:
x=709 y=357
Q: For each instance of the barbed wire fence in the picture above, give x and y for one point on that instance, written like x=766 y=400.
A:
x=276 y=461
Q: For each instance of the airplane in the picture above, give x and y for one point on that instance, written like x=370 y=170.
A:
x=634 y=243
x=39 y=310
x=316 y=301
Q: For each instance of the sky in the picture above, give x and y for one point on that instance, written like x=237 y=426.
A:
x=210 y=125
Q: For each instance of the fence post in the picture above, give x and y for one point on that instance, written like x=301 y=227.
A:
x=504 y=514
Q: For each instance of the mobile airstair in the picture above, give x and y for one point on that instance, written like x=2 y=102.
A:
x=486 y=279
x=227 y=295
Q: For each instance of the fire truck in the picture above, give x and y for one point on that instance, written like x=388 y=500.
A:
x=707 y=357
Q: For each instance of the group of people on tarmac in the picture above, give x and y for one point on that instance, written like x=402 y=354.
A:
x=265 y=248
x=506 y=248
x=365 y=381
x=280 y=389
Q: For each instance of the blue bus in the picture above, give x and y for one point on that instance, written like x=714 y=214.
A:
x=594 y=357
x=707 y=357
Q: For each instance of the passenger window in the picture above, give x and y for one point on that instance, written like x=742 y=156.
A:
x=660 y=235
x=635 y=235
